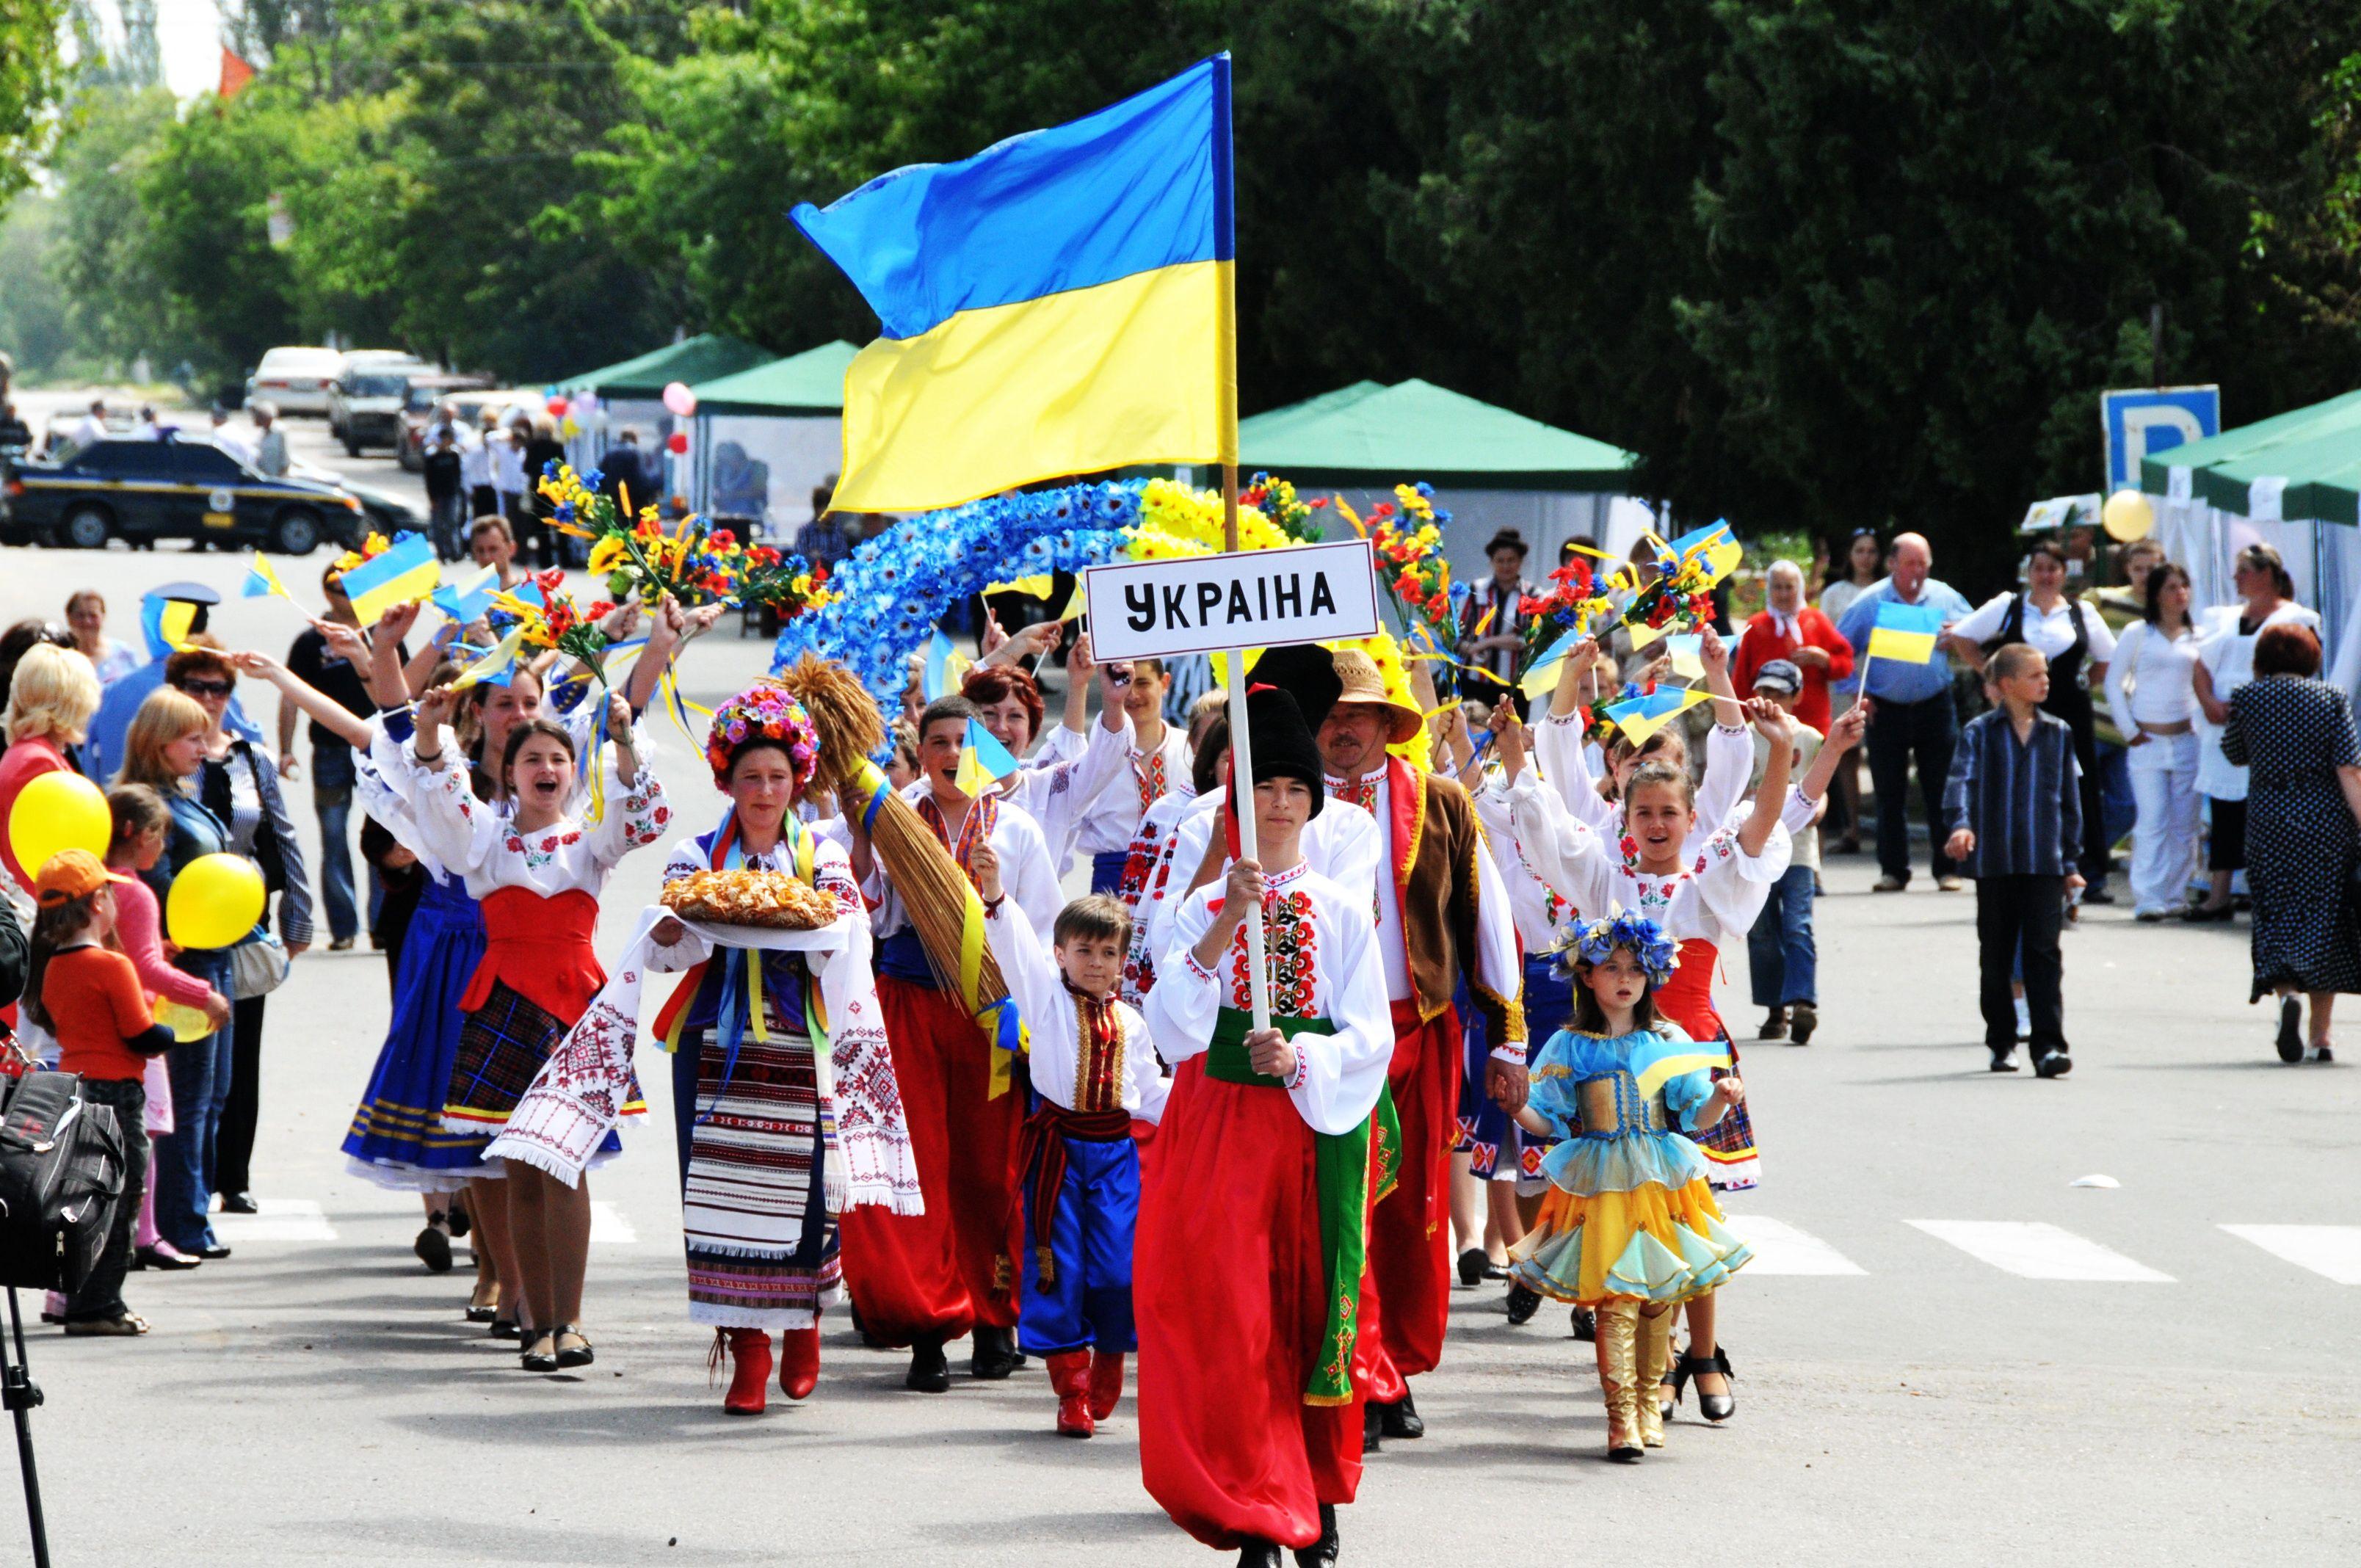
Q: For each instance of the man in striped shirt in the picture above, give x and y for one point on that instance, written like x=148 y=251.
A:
x=2015 y=819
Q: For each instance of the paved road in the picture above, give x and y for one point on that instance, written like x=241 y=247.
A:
x=1947 y=1352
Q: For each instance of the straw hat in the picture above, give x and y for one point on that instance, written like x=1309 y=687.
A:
x=1357 y=672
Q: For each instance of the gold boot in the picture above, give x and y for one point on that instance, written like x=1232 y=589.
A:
x=1655 y=1355
x=1619 y=1376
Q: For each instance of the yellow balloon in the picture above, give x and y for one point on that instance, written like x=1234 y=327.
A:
x=58 y=811
x=186 y=1023
x=214 y=902
x=2128 y=515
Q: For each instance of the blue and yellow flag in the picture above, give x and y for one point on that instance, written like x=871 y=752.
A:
x=260 y=581
x=1059 y=303
x=467 y=600
x=984 y=762
x=1906 y=633
x=405 y=571
x=1642 y=716
x=940 y=675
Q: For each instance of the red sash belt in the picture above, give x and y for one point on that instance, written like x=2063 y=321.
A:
x=539 y=948
x=1041 y=1156
x=1688 y=997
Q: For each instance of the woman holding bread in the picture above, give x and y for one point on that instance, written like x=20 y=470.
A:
x=776 y=1138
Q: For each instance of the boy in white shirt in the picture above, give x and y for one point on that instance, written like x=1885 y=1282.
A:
x=1096 y=1073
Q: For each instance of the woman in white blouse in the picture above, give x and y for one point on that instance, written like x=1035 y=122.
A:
x=2150 y=697
x=2225 y=661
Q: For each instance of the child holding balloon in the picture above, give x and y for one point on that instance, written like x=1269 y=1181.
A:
x=81 y=987
x=141 y=826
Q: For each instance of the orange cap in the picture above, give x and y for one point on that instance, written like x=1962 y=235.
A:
x=70 y=875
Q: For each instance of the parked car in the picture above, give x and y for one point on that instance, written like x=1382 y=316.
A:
x=294 y=379
x=364 y=399
x=145 y=490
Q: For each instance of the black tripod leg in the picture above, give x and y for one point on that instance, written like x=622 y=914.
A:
x=20 y=1394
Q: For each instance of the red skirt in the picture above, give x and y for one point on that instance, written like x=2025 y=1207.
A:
x=1410 y=1230
x=1232 y=1302
x=954 y=1266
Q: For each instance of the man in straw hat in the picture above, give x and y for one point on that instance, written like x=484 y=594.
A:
x=1442 y=912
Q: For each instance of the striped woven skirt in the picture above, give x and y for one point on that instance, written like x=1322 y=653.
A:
x=761 y=1248
x=502 y=1049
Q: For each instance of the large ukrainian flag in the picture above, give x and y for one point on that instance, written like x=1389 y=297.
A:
x=1059 y=303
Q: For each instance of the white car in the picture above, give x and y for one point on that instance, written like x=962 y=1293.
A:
x=364 y=399
x=295 y=381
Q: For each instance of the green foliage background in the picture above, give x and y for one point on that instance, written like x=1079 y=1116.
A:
x=1824 y=263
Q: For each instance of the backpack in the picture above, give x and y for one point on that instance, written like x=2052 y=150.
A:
x=61 y=1168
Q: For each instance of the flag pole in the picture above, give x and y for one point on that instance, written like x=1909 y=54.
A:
x=1242 y=767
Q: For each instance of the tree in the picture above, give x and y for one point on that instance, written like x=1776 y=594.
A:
x=100 y=257
x=32 y=75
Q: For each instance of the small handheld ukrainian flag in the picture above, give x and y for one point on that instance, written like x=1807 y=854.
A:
x=984 y=762
x=1906 y=633
x=261 y=581
x=941 y=675
x=1059 y=303
x=468 y=600
x=1642 y=716
x=405 y=571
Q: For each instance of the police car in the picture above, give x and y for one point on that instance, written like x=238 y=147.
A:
x=144 y=490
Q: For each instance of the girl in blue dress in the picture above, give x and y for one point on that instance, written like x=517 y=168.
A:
x=1629 y=1226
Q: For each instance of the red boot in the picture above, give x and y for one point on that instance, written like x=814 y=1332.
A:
x=798 y=1361
x=1106 y=1383
x=750 y=1370
x=1070 y=1376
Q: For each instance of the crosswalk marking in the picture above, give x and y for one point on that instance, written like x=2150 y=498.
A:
x=2331 y=1251
x=2034 y=1250
x=610 y=1228
x=280 y=1220
x=1781 y=1249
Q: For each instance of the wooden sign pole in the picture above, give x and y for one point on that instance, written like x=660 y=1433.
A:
x=1242 y=766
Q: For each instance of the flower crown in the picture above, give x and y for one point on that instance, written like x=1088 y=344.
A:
x=1628 y=928
x=762 y=713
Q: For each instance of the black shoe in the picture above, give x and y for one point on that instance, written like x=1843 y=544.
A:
x=150 y=1257
x=213 y=1254
x=1373 y=1429
x=2004 y=1058
x=930 y=1372
x=1400 y=1419
x=995 y=1356
x=239 y=1203
x=1522 y=1304
x=1259 y=1554
x=2097 y=894
x=541 y=1354
x=504 y=1328
x=2056 y=1064
x=1471 y=1265
x=483 y=1314
x=434 y=1250
x=1585 y=1324
x=579 y=1353
x=1712 y=1407
x=1802 y=1019
x=2290 y=1029
x=457 y=1219
x=1320 y=1553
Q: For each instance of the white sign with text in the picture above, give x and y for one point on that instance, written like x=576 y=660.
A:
x=1256 y=598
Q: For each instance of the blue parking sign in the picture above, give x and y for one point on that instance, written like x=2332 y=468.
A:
x=2147 y=421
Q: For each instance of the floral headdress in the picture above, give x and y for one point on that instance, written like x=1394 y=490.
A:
x=762 y=713
x=1628 y=928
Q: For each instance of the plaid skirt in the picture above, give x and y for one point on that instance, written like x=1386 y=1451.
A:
x=501 y=1049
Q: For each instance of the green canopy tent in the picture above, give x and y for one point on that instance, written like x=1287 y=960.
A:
x=629 y=392
x=1490 y=469
x=763 y=438
x=2293 y=482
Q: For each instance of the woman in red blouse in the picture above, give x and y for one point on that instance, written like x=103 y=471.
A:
x=1791 y=630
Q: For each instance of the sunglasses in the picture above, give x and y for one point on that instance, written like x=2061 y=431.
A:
x=206 y=688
